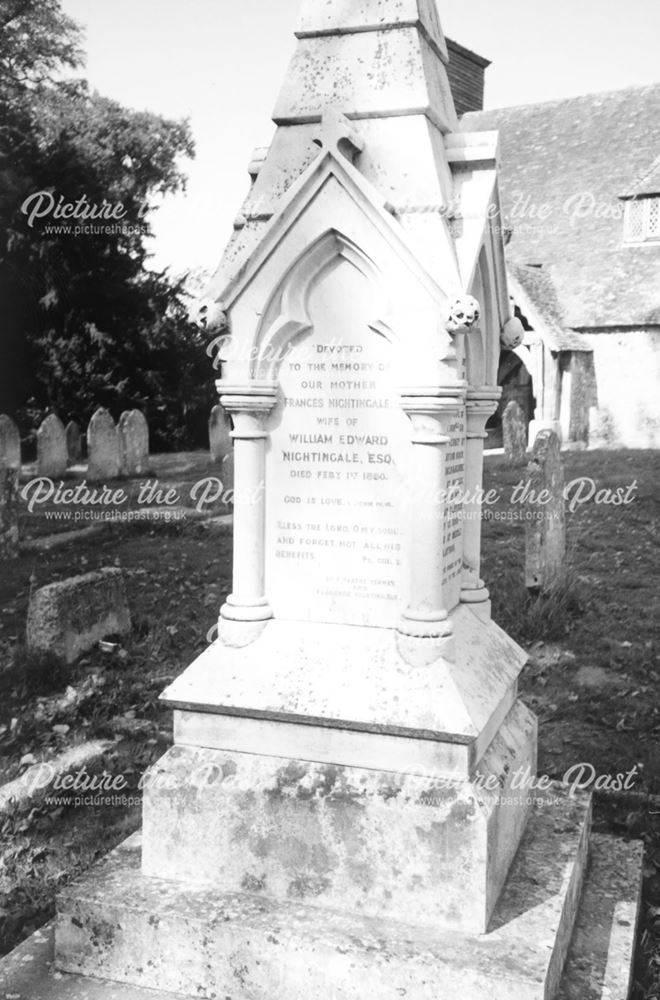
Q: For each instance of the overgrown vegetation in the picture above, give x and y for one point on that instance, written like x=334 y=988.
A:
x=86 y=323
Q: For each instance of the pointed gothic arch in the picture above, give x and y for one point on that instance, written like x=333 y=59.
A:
x=287 y=317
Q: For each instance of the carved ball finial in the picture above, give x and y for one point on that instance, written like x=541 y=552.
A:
x=513 y=333
x=462 y=314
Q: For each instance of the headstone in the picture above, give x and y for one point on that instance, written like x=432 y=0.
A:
x=51 y=447
x=73 y=443
x=352 y=761
x=102 y=447
x=10 y=442
x=514 y=433
x=8 y=512
x=545 y=527
x=220 y=440
x=133 y=437
x=70 y=617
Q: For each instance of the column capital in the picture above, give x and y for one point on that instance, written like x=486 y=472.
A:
x=248 y=404
x=484 y=395
x=258 y=396
x=480 y=405
x=430 y=410
x=433 y=399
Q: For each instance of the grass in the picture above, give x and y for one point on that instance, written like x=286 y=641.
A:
x=594 y=671
x=593 y=677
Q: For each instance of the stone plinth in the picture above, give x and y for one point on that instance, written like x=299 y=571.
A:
x=456 y=691
x=599 y=960
x=383 y=844
x=150 y=932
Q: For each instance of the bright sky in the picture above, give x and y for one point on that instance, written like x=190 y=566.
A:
x=221 y=63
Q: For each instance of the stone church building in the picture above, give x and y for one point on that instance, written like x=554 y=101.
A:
x=580 y=183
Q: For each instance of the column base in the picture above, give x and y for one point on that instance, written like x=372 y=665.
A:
x=421 y=628
x=236 y=611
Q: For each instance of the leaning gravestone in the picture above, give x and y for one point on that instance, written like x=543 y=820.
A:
x=102 y=447
x=133 y=437
x=8 y=511
x=338 y=817
x=70 y=617
x=514 y=433
x=73 y=443
x=545 y=526
x=51 y=447
x=10 y=443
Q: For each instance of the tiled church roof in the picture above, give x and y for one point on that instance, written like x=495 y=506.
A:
x=648 y=183
x=565 y=166
x=536 y=297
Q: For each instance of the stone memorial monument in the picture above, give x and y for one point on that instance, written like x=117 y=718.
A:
x=340 y=814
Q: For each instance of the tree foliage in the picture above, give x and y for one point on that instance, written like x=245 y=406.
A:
x=85 y=322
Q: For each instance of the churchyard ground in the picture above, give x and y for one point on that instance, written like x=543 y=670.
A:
x=592 y=678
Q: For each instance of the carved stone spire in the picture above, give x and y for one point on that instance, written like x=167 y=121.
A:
x=370 y=59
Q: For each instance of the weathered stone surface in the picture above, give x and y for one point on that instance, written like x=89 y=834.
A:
x=102 y=447
x=51 y=447
x=600 y=960
x=365 y=15
x=8 y=511
x=378 y=843
x=305 y=672
x=599 y=964
x=10 y=443
x=117 y=923
x=70 y=617
x=74 y=447
x=545 y=526
x=133 y=438
x=514 y=432
x=356 y=73
x=28 y=973
x=220 y=441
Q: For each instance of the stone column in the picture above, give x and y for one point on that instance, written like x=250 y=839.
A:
x=481 y=404
x=249 y=406
x=430 y=412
